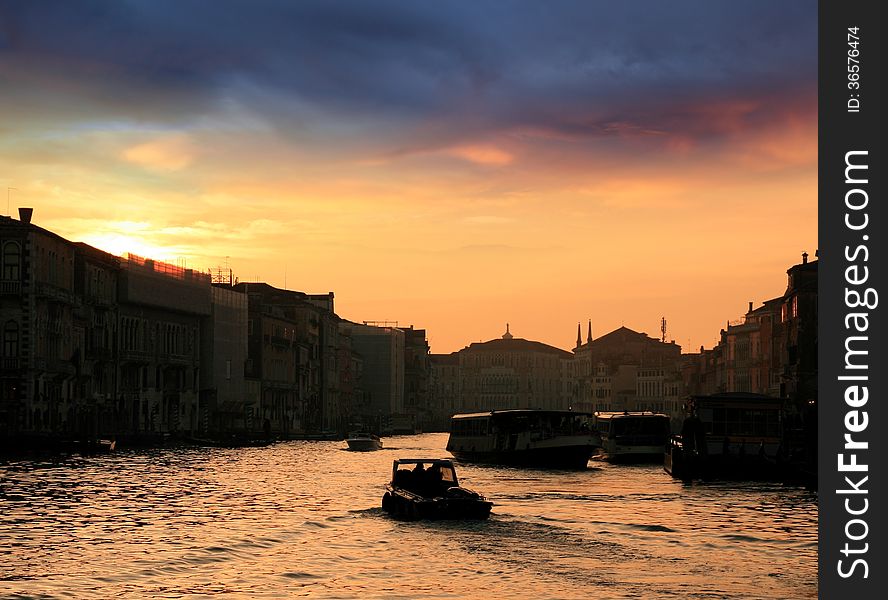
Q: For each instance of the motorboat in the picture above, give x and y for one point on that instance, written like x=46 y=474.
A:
x=424 y=488
x=363 y=442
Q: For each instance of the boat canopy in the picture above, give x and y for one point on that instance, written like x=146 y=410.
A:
x=424 y=461
x=443 y=466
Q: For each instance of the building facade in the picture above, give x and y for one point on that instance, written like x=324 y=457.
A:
x=509 y=373
x=382 y=349
x=627 y=370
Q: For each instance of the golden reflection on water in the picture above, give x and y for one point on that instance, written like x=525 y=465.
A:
x=303 y=519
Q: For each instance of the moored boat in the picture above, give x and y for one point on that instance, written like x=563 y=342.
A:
x=363 y=442
x=636 y=436
x=732 y=435
x=423 y=488
x=524 y=437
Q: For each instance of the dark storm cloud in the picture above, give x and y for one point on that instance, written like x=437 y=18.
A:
x=432 y=71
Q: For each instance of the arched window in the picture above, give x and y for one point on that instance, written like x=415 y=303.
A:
x=12 y=260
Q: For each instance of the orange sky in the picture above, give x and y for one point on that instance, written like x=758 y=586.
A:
x=537 y=208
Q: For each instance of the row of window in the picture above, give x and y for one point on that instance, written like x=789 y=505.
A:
x=170 y=338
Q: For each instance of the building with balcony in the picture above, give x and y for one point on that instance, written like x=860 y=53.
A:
x=161 y=309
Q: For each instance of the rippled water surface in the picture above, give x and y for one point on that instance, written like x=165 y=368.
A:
x=303 y=519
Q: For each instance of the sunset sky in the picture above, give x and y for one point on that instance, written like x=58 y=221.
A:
x=448 y=165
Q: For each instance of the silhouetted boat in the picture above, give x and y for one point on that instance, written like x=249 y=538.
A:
x=543 y=438
x=87 y=446
x=431 y=490
x=229 y=441
x=363 y=441
x=632 y=436
x=103 y=446
x=732 y=435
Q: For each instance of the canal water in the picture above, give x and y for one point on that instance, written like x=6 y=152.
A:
x=303 y=519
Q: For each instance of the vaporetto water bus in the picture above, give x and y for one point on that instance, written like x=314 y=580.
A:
x=632 y=436
x=528 y=437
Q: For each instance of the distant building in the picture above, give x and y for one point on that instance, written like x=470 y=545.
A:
x=351 y=374
x=511 y=372
x=747 y=357
x=627 y=370
x=443 y=389
x=383 y=372
x=417 y=372
x=292 y=360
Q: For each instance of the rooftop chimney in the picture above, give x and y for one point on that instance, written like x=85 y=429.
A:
x=804 y=258
x=750 y=306
x=25 y=214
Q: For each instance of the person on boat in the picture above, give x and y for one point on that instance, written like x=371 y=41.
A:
x=417 y=479
x=402 y=478
x=693 y=435
x=434 y=477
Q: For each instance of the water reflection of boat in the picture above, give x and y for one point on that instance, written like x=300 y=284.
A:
x=729 y=435
x=632 y=436
x=431 y=490
x=543 y=438
x=363 y=441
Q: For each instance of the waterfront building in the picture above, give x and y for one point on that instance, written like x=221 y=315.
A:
x=510 y=372
x=285 y=363
x=382 y=347
x=626 y=370
x=95 y=333
x=161 y=309
x=331 y=410
x=771 y=351
x=746 y=358
x=799 y=314
x=98 y=345
x=798 y=310
x=351 y=391
x=443 y=389
x=417 y=371
x=223 y=394
x=37 y=306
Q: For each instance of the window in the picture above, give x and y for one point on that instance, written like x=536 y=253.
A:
x=10 y=339
x=12 y=255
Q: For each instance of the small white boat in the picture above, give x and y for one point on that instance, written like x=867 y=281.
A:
x=363 y=442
